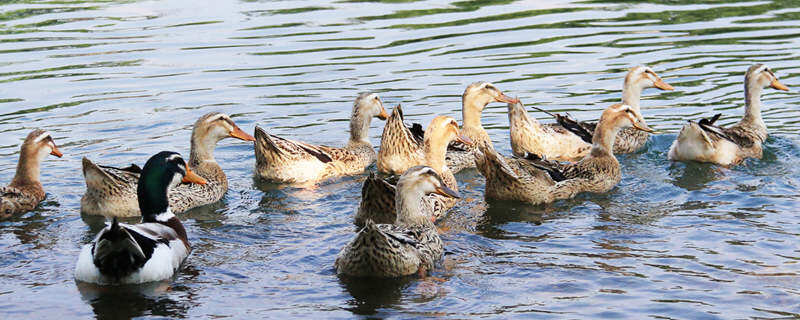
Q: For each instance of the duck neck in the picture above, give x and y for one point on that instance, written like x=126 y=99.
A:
x=27 y=168
x=752 y=104
x=631 y=95
x=435 y=154
x=408 y=204
x=359 y=129
x=471 y=113
x=603 y=139
x=152 y=196
x=202 y=149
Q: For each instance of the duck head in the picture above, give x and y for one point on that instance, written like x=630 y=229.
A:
x=162 y=171
x=440 y=132
x=417 y=182
x=762 y=76
x=479 y=94
x=210 y=129
x=37 y=146
x=643 y=77
x=367 y=105
x=622 y=116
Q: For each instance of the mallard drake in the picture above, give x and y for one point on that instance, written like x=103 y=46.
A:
x=25 y=191
x=111 y=190
x=704 y=141
x=377 y=195
x=287 y=161
x=475 y=98
x=410 y=245
x=536 y=180
x=550 y=141
x=629 y=140
x=152 y=250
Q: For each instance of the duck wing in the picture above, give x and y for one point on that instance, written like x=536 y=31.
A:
x=556 y=170
x=708 y=125
x=276 y=149
x=583 y=129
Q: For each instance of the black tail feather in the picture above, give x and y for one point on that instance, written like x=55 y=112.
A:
x=575 y=127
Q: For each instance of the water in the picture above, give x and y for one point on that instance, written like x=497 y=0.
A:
x=118 y=81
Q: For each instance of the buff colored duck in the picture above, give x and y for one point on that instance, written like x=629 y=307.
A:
x=111 y=190
x=475 y=98
x=25 y=191
x=629 y=140
x=703 y=141
x=288 y=161
x=540 y=181
x=378 y=195
x=152 y=250
x=409 y=246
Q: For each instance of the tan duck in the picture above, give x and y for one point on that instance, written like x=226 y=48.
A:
x=378 y=195
x=111 y=191
x=629 y=140
x=705 y=142
x=548 y=141
x=475 y=98
x=539 y=181
x=409 y=246
x=287 y=161
x=25 y=191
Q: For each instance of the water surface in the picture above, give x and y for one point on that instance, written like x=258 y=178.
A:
x=117 y=81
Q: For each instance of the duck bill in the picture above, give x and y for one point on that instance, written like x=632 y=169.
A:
x=775 y=84
x=191 y=177
x=383 y=115
x=463 y=139
x=447 y=192
x=239 y=134
x=663 y=85
x=643 y=126
x=56 y=152
x=507 y=99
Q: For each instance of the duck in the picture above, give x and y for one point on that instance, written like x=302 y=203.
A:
x=155 y=248
x=112 y=190
x=475 y=98
x=554 y=142
x=410 y=245
x=629 y=140
x=537 y=180
x=25 y=191
x=378 y=195
x=704 y=141
x=287 y=161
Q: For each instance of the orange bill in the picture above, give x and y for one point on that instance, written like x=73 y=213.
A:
x=239 y=134
x=778 y=85
x=191 y=177
x=55 y=152
x=464 y=140
x=383 y=115
x=663 y=85
x=447 y=192
x=507 y=99
x=643 y=126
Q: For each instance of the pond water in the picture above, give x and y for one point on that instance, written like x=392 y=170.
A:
x=117 y=81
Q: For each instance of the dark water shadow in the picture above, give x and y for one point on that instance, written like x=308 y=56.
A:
x=129 y=301
x=372 y=294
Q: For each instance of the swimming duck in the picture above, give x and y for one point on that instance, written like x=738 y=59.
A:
x=537 y=180
x=409 y=246
x=549 y=141
x=377 y=195
x=288 y=161
x=111 y=190
x=475 y=98
x=629 y=140
x=152 y=250
x=25 y=191
x=704 y=141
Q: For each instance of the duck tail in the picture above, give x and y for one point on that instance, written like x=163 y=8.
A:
x=103 y=177
x=266 y=147
x=693 y=131
x=118 y=252
x=581 y=129
x=493 y=167
x=377 y=201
